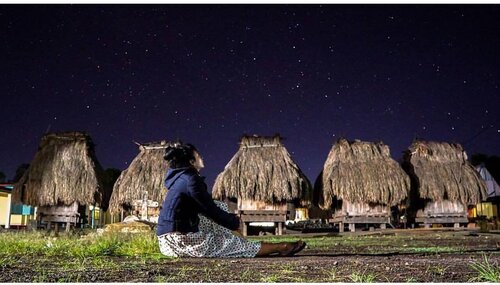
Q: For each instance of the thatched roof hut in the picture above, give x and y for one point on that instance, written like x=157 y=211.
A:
x=145 y=173
x=441 y=172
x=63 y=171
x=263 y=170
x=361 y=172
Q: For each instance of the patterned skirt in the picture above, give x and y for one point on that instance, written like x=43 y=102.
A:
x=212 y=240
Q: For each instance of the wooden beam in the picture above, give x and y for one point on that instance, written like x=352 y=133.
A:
x=245 y=228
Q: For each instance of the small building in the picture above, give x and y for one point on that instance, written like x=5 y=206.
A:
x=5 y=204
x=264 y=182
x=488 y=208
x=64 y=181
x=360 y=182
x=443 y=183
x=13 y=215
x=140 y=188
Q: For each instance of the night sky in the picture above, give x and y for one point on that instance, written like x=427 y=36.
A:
x=207 y=74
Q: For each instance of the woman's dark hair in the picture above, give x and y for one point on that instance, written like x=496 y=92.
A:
x=179 y=155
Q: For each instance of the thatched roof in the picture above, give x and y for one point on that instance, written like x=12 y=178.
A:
x=262 y=170
x=361 y=172
x=63 y=171
x=145 y=173
x=441 y=171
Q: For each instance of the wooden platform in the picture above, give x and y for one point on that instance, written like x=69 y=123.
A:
x=351 y=221
x=57 y=215
x=360 y=213
x=442 y=212
x=428 y=221
x=276 y=216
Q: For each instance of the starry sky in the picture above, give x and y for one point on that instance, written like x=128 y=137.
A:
x=207 y=74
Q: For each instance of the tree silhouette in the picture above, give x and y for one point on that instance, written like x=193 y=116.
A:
x=21 y=169
x=109 y=179
x=2 y=177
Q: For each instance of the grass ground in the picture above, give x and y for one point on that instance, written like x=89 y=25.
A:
x=394 y=256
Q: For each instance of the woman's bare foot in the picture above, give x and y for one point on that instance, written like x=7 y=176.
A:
x=281 y=249
x=294 y=248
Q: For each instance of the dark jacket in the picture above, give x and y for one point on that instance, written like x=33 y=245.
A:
x=187 y=197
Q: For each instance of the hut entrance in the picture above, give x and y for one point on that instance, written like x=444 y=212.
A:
x=251 y=211
x=442 y=212
x=361 y=213
x=61 y=215
x=146 y=209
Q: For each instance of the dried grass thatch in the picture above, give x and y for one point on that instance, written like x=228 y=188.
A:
x=441 y=172
x=361 y=172
x=145 y=173
x=63 y=171
x=262 y=170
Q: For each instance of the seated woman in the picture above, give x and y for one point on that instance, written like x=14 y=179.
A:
x=191 y=224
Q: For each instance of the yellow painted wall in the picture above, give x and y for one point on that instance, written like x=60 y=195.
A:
x=110 y=219
x=103 y=217
x=485 y=209
x=15 y=219
x=4 y=207
x=20 y=220
x=301 y=214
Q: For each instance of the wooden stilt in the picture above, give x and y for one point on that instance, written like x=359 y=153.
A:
x=382 y=226
x=244 y=230
x=341 y=227
x=352 y=227
x=280 y=228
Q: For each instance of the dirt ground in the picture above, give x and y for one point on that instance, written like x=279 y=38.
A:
x=441 y=256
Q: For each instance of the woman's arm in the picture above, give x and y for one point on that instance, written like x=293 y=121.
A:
x=198 y=191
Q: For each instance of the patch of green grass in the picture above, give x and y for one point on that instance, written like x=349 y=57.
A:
x=437 y=269
x=141 y=245
x=247 y=276
x=331 y=275
x=6 y=261
x=185 y=272
x=362 y=277
x=296 y=279
x=83 y=263
x=434 y=249
x=271 y=278
x=411 y=280
x=41 y=276
x=287 y=269
x=71 y=278
x=160 y=279
x=15 y=243
x=210 y=272
x=354 y=244
x=487 y=272
x=37 y=243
